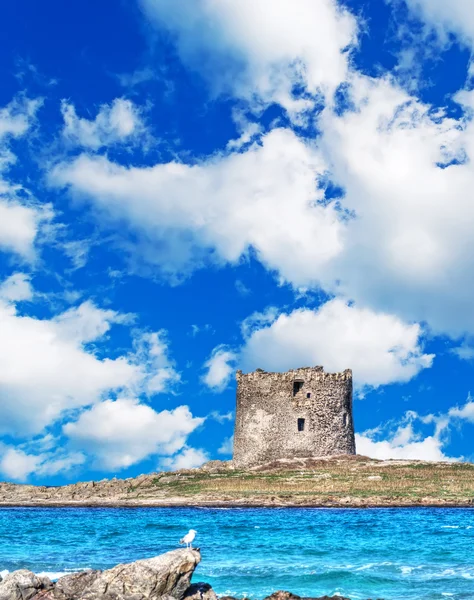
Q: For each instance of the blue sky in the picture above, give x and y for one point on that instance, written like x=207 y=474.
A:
x=191 y=188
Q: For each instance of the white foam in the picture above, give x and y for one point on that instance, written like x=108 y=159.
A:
x=372 y=565
x=53 y=575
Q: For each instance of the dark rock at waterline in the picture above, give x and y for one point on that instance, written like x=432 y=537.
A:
x=200 y=591
x=280 y=595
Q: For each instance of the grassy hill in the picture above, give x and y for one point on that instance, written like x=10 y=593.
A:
x=337 y=481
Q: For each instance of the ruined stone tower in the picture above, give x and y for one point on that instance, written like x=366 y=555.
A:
x=302 y=413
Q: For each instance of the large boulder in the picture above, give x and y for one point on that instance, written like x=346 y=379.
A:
x=149 y=579
x=23 y=585
x=165 y=577
x=70 y=587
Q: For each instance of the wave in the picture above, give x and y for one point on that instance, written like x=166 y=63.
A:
x=53 y=575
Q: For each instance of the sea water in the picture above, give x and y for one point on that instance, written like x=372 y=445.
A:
x=388 y=553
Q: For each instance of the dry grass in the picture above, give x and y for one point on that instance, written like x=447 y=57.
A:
x=338 y=481
x=362 y=479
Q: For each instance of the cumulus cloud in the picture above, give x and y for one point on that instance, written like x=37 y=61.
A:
x=398 y=241
x=151 y=351
x=260 y=50
x=227 y=446
x=18 y=116
x=15 y=288
x=120 y=121
x=406 y=172
x=404 y=445
x=220 y=367
x=18 y=464
x=123 y=432
x=47 y=366
x=20 y=225
x=188 y=458
x=266 y=199
x=380 y=348
x=403 y=441
x=21 y=218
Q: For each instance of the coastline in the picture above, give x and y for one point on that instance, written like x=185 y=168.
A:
x=335 y=482
x=228 y=505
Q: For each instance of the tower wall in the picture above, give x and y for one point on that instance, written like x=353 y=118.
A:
x=270 y=410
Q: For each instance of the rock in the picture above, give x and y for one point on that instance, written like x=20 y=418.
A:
x=169 y=479
x=73 y=586
x=200 y=591
x=149 y=579
x=280 y=595
x=23 y=585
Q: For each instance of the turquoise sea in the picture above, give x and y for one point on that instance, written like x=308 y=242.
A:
x=370 y=553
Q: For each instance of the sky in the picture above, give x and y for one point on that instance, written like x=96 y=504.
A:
x=190 y=188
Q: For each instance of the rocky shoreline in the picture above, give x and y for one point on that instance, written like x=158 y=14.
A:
x=340 y=481
x=164 y=577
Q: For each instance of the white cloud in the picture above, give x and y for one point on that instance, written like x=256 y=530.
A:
x=18 y=116
x=462 y=413
x=123 y=432
x=188 y=458
x=151 y=351
x=15 y=288
x=428 y=448
x=265 y=199
x=259 y=49
x=399 y=241
x=47 y=366
x=86 y=323
x=227 y=446
x=455 y=16
x=380 y=348
x=21 y=218
x=18 y=465
x=409 y=249
x=220 y=367
x=121 y=121
x=221 y=417
x=402 y=441
x=20 y=225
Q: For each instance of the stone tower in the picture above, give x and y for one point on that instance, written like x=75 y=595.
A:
x=302 y=413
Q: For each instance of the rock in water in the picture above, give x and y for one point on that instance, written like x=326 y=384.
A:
x=149 y=579
x=23 y=585
x=280 y=595
x=165 y=577
x=200 y=591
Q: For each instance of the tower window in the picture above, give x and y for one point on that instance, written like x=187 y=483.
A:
x=344 y=419
x=297 y=385
x=308 y=395
x=300 y=424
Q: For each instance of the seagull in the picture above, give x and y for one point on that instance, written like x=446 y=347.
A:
x=188 y=538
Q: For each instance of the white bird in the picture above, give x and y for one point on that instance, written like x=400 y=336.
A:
x=188 y=538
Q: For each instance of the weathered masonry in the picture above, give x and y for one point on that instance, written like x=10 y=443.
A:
x=302 y=413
